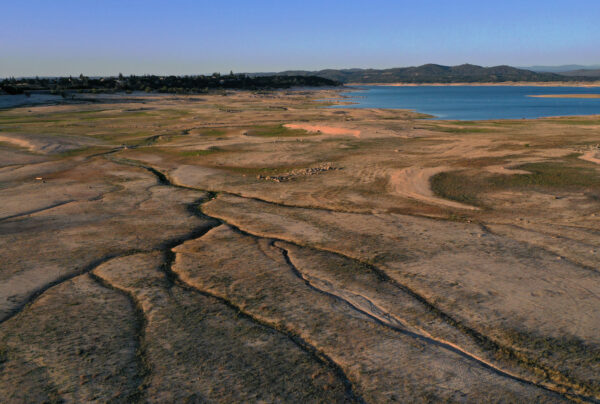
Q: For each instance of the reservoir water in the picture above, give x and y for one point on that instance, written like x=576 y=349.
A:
x=477 y=102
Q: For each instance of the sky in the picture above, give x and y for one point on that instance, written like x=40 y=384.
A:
x=106 y=37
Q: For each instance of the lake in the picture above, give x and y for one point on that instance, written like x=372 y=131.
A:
x=477 y=102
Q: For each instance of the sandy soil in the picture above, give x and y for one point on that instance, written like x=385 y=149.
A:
x=201 y=249
x=591 y=156
x=328 y=130
x=505 y=170
x=45 y=144
x=413 y=182
x=17 y=142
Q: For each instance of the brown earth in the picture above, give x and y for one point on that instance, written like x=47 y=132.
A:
x=257 y=247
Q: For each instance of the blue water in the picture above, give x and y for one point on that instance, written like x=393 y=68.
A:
x=477 y=102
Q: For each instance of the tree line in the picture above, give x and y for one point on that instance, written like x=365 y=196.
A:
x=162 y=84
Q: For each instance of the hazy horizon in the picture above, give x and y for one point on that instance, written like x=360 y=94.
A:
x=105 y=38
x=595 y=66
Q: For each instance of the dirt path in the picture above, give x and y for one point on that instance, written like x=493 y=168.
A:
x=591 y=156
x=508 y=170
x=413 y=183
x=327 y=130
x=18 y=142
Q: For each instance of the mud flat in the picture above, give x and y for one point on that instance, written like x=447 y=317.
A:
x=259 y=247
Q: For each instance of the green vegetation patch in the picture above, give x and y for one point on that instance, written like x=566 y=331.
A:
x=68 y=115
x=120 y=136
x=276 y=131
x=82 y=151
x=466 y=187
x=458 y=186
x=265 y=171
x=550 y=176
x=546 y=346
x=511 y=122
x=483 y=161
x=575 y=121
x=9 y=145
x=183 y=155
x=216 y=132
x=557 y=358
x=203 y=152
x=468 y=130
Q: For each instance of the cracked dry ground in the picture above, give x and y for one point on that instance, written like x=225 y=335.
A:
x=148 y=256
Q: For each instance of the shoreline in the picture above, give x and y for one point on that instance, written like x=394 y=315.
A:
x=586 y=96
x=344 y=103
x=502 y=84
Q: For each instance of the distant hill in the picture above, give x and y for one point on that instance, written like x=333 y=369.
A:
x=583 y=73
x=433 y=73
x=560 y=69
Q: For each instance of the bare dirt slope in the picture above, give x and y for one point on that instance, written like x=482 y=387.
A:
x=250 y=247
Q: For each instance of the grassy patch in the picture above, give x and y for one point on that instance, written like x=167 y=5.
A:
x=447 y=129
x=154 y=140
x=183 y=155
x=483 y=161
x=546 y=346
x=3 y=355
x=71 y=118
x=212 y=132
x=123 y=137
x=276 y=131
x=464 y=186
x=510 y=122
x=457 y=186
x=197 y=153
x=170 y=112
x=278 y=170
x=575 y=121
x=82 y=151
x=13 y=146
x=30 y=120
x=550 y=176
x=565 y=359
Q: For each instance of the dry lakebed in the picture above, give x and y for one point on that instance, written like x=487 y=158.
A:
x=259 y=247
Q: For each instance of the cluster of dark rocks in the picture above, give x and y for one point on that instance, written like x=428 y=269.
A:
x=298 y=173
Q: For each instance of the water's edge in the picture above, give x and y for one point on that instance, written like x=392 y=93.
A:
x=475 y=102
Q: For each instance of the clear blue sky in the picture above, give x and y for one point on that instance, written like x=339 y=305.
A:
x=105 y=37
